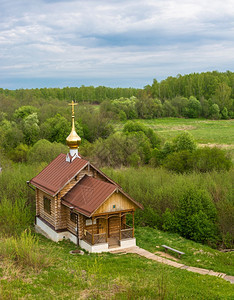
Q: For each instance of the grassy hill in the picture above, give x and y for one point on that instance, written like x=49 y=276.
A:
x=114 y=276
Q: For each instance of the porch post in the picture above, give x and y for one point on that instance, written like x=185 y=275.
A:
x=77 y=229
x=119 y=226
x=106 y=228
x=133 y=224
x=92 y=233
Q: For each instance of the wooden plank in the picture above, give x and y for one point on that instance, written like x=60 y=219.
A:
x=115 y=203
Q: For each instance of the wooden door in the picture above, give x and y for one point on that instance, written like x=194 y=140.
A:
x=113 y=227
x=102 y=225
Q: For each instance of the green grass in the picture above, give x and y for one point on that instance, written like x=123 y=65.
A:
x=106 y=276
x=204 y=131
x=196 y=255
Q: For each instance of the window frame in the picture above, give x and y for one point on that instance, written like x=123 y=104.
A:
x=73 y=215
x=47 y=205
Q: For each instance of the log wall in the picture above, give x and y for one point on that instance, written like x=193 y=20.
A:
x=42 y=213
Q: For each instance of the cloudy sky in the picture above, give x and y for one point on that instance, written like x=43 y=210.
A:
x=49 y=43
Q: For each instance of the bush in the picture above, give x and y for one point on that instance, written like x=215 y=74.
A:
x=184 y=141
x=195 y=217
x=179 y=162
x=208 y=159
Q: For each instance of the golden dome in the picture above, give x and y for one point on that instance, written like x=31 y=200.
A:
x=73 y=140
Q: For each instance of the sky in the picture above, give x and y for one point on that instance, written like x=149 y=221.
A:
x=124 y=43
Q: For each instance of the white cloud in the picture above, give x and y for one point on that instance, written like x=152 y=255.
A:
x=108 y=39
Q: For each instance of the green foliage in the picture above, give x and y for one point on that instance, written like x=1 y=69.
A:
x=224 y=113
x=214 y=112
x=122 y=116
x=44 y=151
x=169 y=198
x=94 y=124
x=31 y=128
x=193 y=108
x=179 y=162
x=24 y=111
x=208 y=159
x=133 y=126
x=195 y=218
x=55 y=129
x=184 y=141
x=19 y=154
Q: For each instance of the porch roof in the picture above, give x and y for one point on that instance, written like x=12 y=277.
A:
x=88 y=194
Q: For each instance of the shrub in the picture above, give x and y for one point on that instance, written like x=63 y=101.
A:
x=208 y=159
x=179 y=162
x=196 y=216
x=184 y=141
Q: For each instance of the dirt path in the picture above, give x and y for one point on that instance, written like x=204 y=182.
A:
x=149 y=255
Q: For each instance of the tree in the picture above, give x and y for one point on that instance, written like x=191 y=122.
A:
x=224 y=113
x=194 y=108
x=184 y=141
x=24 y=111
x=31 y=128
x=222 y=96
x=180 y=104
x=56 y=129
x=214 y=112
x=44 y=151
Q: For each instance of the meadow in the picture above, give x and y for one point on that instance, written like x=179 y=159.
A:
x=204 y=131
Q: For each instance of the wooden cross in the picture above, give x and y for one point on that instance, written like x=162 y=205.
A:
x=73 y=104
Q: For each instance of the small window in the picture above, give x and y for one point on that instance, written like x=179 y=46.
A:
x=73 y=217
x=47 y=205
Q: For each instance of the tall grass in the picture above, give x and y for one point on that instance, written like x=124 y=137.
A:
x=24 y=251
x=17 y=200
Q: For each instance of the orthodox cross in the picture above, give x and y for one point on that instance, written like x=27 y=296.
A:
x=73 y=104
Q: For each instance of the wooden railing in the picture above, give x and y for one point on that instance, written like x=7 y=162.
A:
x=127 y=233
x=88 y=237
x=99 y=238
x=96 y=239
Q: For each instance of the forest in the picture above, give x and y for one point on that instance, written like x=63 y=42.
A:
x=186 y=188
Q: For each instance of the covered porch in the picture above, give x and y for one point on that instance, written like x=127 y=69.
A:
x=109 y=228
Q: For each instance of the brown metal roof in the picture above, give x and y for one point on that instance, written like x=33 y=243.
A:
x=88 y=194
x=57 y=174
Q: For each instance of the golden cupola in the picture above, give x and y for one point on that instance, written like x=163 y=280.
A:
x=73 y=140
